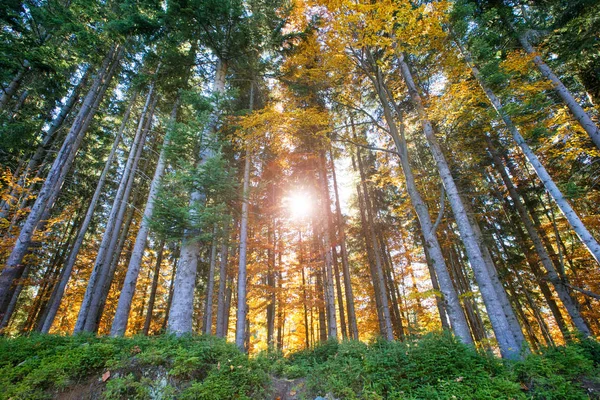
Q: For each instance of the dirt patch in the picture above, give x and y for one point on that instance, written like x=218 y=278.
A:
x=90 y=389
x=288 y=389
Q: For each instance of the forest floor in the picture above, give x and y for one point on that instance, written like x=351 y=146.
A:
x=434 y=366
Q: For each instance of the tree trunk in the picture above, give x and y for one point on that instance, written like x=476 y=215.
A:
x=64 y=159
x=119 y=325
x=66 y=274
x=271 y=238
x=509 y=346
x=327 y=229
x=155 y=277
x=242 y=306
x=89 y=308
x=578 y=112
x=182 y=307
x=580 y=229
x=353 y=327
x=13 y=86
x=210 y=286
x=220 y=331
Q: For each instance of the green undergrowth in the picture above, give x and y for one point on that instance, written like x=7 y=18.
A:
x=435 y=366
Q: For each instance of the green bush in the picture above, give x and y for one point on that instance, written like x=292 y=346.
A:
x=434 y=366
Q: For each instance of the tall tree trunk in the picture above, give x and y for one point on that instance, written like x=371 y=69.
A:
x=182 y=306
x=561 y=289
x=428 y=228
x=580 y=229
x=210 y=285
x=89 y=308
x=378 y=279
x=64 y=159
x=576 y=109
x=242 y=307
x=272 y=239
x=242 y=304
x=66 y=274
x=509 y=346
x=353 y=327
x=327 y=229
x=220 y=331
x=124 y=306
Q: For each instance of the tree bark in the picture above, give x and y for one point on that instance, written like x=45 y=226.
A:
x=154 y=287
x=353 y=327
x=580 y=229
x=182 y=306
x=119 y=325
x=451 y=301
x=567 y=97
x=509 y=346
x=64 y=159
x=89 y=308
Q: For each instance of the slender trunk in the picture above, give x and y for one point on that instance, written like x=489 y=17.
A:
x=9 y=91
x=567 y=97
x=66 y=275
x=378 y=278
x=171 y=284
x=119 y=325
x=89 y=307
x=210 y=286
x=64 y=159
x=242 y=305
x=451 y=301
x=353 y=327
x=370 y=256
x=12 y=305
x=271 y=238
x=580 y=229
x=509 y=346
x=182 y=307
x=559 y=285
x=155 y=276
x=220 y=332
x=327 y=229
x=304 y=294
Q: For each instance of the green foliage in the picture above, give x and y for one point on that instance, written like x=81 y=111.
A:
x=438 y=366
x=435 y=366
x=39 y=366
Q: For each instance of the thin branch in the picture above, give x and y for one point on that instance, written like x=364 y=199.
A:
x=441 y=212
x=364 y=146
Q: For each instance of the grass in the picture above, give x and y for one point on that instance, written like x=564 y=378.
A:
x=435 y=366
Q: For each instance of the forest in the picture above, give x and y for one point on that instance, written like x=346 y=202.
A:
x=295 y=183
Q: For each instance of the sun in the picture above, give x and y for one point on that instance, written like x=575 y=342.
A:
x=299 y=204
